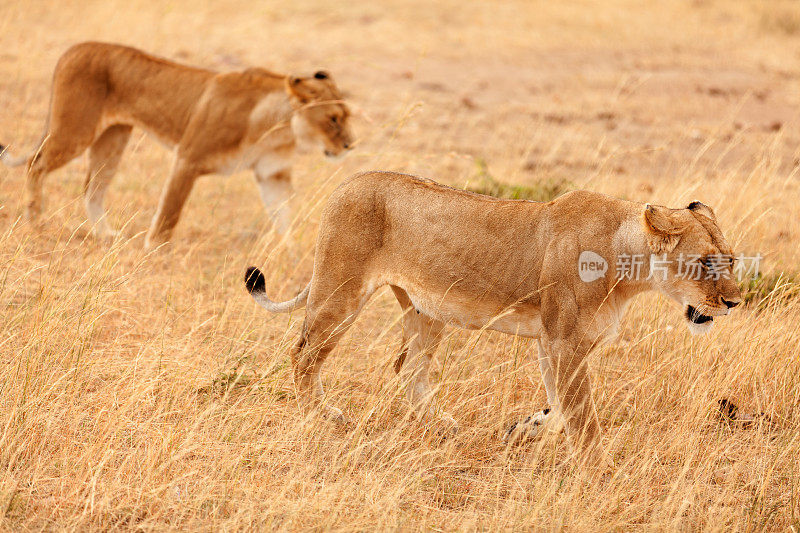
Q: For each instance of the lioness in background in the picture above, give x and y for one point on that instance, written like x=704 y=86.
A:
x=454 y=257
x=216 y=122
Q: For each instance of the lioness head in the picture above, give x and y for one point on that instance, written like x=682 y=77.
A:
x=320 y=116
x=698 y=264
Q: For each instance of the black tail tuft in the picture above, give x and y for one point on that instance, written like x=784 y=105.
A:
x=254 y=280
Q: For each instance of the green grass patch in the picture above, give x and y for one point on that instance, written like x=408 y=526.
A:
x=763 y=289
x=543 y=191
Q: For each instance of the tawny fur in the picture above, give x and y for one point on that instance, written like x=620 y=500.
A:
x=215 y=122
x=473 y=261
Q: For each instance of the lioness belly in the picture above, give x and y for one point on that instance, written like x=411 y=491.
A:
x=467 y=313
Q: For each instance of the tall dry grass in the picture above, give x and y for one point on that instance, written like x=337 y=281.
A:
x=146 y=391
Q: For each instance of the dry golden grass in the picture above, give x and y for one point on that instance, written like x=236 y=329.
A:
x=147 y=391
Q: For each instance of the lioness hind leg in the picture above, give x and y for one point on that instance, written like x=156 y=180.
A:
x=406 y=305
x=307 y=360
x=54 y=152
x=104 y=156
x=74 y=116
x=324 y=325
x=421 y=337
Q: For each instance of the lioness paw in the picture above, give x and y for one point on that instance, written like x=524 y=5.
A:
x=152 y=243
x=334 y=414
x=445 y=425
x=32 y=214
x=528 y=429
x=106 y=235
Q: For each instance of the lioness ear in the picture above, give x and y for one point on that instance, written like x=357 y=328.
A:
x=703 y=209
x=663 y=231
x=297 y=89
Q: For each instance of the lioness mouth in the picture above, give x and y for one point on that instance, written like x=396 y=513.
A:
x=695 y=317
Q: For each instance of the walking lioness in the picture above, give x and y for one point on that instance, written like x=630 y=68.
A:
x=216 y=122
x=541 y=270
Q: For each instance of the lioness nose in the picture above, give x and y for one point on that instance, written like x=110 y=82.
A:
x=730 y=303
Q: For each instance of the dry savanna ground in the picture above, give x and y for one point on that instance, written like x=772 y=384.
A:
x=148 y=391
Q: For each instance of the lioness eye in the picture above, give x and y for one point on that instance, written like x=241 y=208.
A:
x=335 y=119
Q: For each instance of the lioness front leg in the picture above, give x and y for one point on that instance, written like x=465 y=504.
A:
x=173 y=196
x=275 y=185
x=569 y=333
x=574 y=392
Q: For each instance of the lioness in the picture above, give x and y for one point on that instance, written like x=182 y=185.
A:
x=216 y=122
x=474 y=261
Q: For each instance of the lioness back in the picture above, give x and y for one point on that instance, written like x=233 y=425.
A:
x=396 y=207
x=112 y=78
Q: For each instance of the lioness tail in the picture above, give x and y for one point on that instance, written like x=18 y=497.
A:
x=257 y=287
x=5 y=157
